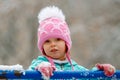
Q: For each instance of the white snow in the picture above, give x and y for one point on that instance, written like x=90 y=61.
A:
x=11 y=67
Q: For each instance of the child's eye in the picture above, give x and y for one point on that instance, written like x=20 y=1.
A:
x=58 y=39
x=47 y=41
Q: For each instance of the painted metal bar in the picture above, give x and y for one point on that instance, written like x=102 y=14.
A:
x=32 y=74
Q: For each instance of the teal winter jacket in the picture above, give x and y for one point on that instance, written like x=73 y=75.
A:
x=64 y=66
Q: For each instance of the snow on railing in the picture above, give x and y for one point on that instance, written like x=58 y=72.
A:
x=33 y=74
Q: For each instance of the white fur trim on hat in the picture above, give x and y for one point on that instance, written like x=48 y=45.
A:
x=51 y=11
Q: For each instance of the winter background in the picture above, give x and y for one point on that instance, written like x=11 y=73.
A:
x=94 y=26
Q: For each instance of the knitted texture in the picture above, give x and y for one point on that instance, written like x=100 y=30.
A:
x=52 y=27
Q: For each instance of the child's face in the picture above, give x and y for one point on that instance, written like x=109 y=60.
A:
x=55 y=48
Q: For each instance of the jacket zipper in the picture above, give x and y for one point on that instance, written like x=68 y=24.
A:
x=62 y=66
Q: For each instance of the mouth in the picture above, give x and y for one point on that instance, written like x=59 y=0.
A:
x=53 y=50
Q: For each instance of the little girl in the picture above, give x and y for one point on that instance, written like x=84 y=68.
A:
x=54 y=42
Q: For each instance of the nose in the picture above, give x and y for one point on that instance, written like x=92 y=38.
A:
x=53 y=44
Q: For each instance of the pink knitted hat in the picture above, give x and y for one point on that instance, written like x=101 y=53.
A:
x=52 y=25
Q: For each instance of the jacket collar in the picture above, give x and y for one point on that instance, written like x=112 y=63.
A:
x=60 y=62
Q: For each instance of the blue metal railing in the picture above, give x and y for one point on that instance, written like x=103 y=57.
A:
x=32 y=74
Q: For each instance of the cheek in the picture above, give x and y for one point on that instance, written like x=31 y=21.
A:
x=64 y=47
x=45 y=48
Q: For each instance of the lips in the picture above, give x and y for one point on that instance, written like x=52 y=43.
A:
x=53 y=50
